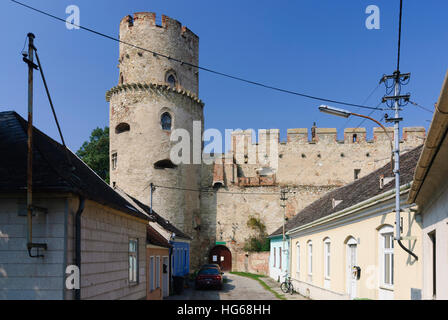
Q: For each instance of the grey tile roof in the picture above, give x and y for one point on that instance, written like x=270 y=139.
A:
x=155 y=238
x=355 y=192
x=164 y=223
x=54 y=169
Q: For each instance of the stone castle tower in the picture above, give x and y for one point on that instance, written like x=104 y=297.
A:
x=154 y=96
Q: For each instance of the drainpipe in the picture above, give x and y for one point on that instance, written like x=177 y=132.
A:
x=78 y=243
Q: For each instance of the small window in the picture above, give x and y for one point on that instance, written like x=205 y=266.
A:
x=133 y=261
x=355 y=138
x=114 y=160
x=280 y=258
x=121 y=79
x=357 y=173
x=387 y=255
x=122 y=127
x=158 y=272
x=275 y=256
x=151 y=273
x=171 y=79
x=166 y=121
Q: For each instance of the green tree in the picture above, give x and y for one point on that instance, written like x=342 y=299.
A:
x=258 y=242
x=95 y=152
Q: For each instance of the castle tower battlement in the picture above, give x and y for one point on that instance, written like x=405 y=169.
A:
x=168 y=38
x=244 y=138
x=318 y=160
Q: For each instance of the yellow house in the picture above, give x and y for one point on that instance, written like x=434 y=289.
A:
x=342 y=245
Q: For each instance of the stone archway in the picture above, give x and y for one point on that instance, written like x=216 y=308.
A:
x=221 y=255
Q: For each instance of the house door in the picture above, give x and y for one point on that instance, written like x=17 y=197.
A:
x=351 y=262
x=222 y=256
x=165 y=278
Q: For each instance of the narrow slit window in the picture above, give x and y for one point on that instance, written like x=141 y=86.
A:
x=166 y=121
x=114 y=160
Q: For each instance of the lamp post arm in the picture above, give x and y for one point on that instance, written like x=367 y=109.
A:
x=385 y=131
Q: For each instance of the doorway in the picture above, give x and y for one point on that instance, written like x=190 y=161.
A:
x=221 y=255
x=352 y=247
x=165 y=278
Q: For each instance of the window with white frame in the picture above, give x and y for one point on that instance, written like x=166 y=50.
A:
x=158 y=272
x=387 y=256
x=310 y=258
x=151 y=273
x=327 y=246
x=133 y=260
x=280 y=258
x=298 y=257
x=275 y=256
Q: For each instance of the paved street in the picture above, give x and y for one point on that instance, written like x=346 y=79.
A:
x=236 y=288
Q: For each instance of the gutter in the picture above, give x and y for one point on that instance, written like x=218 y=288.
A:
x=436 y=134
x=350 y=210
x=78 y=242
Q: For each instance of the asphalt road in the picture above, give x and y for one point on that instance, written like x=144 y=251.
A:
x=236 y=288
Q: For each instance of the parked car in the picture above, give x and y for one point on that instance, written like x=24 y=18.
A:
x=209 y=278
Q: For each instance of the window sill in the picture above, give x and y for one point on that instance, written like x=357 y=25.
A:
x=133 y=284
x=385 y=287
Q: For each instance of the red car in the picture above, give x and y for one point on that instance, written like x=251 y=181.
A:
x=209 y=277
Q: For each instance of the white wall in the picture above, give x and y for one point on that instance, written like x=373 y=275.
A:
x=23 y=277
x=435 y=218
x=274 y=271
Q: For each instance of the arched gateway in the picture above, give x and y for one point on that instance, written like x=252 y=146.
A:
x=222 y=256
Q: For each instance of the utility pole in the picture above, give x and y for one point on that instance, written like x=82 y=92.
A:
x=29 y=185
x=28 y=58
x=399 y=100
x=283 y=199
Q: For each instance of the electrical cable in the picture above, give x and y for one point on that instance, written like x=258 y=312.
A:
x=208 y=190
x=421 y=107
x=198 y=67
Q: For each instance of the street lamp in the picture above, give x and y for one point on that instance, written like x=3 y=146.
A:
x=335 y=111
x=345 y=114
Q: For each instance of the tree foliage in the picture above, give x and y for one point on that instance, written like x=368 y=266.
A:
x=95 y=152
x=258 y=242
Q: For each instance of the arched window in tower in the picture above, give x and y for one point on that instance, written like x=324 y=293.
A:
x=171 y=79
x=122 y=127
x=166 y=121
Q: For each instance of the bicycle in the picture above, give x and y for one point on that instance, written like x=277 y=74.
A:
x=287 y=286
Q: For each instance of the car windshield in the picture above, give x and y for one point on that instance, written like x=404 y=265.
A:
x=209 y=271
x=210 y=266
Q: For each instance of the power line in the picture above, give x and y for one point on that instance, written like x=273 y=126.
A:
x=255 y=83
x=421 y=107
x=363 y=120
x=208 y=190
x=365 y=101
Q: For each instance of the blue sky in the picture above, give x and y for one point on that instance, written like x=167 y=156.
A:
x=318 y=47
